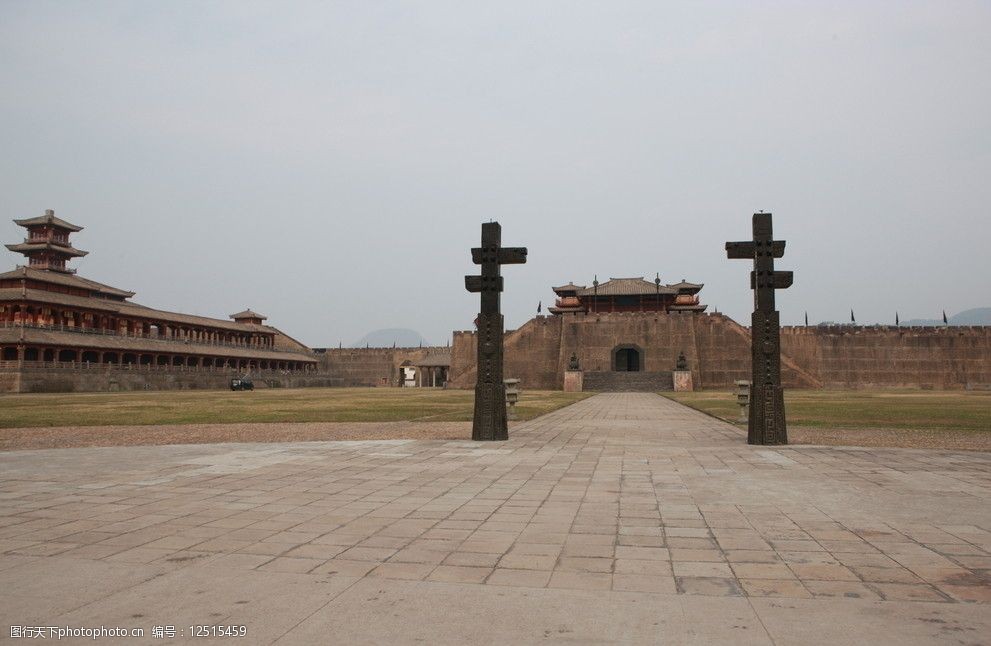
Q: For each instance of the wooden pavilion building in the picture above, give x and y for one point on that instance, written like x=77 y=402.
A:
x=628 y=295
x=50 y=317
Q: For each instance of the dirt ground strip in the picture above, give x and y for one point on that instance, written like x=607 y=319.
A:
x=64 y=437
x=891 y=437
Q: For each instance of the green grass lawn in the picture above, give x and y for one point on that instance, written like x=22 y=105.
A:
x=263 y=405
x=895 y=409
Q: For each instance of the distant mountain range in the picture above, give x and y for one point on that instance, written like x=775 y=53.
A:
x=976 y=316
x=386 y=338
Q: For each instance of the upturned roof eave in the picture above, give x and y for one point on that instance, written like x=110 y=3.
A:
x=59 y=278
x=21 y=247
x=248 y=314
x=56 y=222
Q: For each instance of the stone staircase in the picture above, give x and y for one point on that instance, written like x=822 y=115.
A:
x=636 y=382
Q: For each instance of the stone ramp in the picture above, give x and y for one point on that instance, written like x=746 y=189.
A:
x=624 y=518
x=637 y=382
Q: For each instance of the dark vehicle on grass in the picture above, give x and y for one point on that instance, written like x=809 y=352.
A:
x=242 y=383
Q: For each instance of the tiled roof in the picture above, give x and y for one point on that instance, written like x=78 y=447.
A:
x=57 y=278
x=686 y=286
x=434 y=359
x=48 y=218
x=122 y=308
x=570 y=287
x=9 y=294
x=626 y=287
x=134 y=309
x=247 y=314
x=66 y=249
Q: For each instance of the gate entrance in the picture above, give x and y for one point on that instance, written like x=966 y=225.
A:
x=627 y=358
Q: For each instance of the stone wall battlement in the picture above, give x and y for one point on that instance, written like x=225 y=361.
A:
x=606 y=316
x=921 y=330
x=389 y=348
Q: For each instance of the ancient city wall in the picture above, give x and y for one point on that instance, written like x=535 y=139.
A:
x=369 y=366
x=717 y=350
x=532 y=354
x=464 y=349
x=845 y=356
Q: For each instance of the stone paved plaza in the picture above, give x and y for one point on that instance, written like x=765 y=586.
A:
x=624 y=518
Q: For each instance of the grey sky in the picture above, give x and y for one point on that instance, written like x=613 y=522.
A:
x=329 y=165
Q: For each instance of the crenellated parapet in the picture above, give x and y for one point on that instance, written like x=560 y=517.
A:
x=922 y=330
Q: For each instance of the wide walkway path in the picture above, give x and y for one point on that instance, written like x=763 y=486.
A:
x=625 y=518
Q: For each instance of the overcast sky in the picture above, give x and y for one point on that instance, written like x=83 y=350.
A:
x=329 y=164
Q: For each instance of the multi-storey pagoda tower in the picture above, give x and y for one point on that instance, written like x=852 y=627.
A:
x=47 y=245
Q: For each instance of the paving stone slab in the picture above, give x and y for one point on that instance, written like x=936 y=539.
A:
x=625 y=518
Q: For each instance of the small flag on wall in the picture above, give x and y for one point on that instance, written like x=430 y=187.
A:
x=852 y=318
x=806 y=319
x=945 y=322
x=896 y=319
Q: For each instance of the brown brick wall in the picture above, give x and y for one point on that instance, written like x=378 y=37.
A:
x=718 y=351
x=864 y=357
x=108 y=379
x=368 y=366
